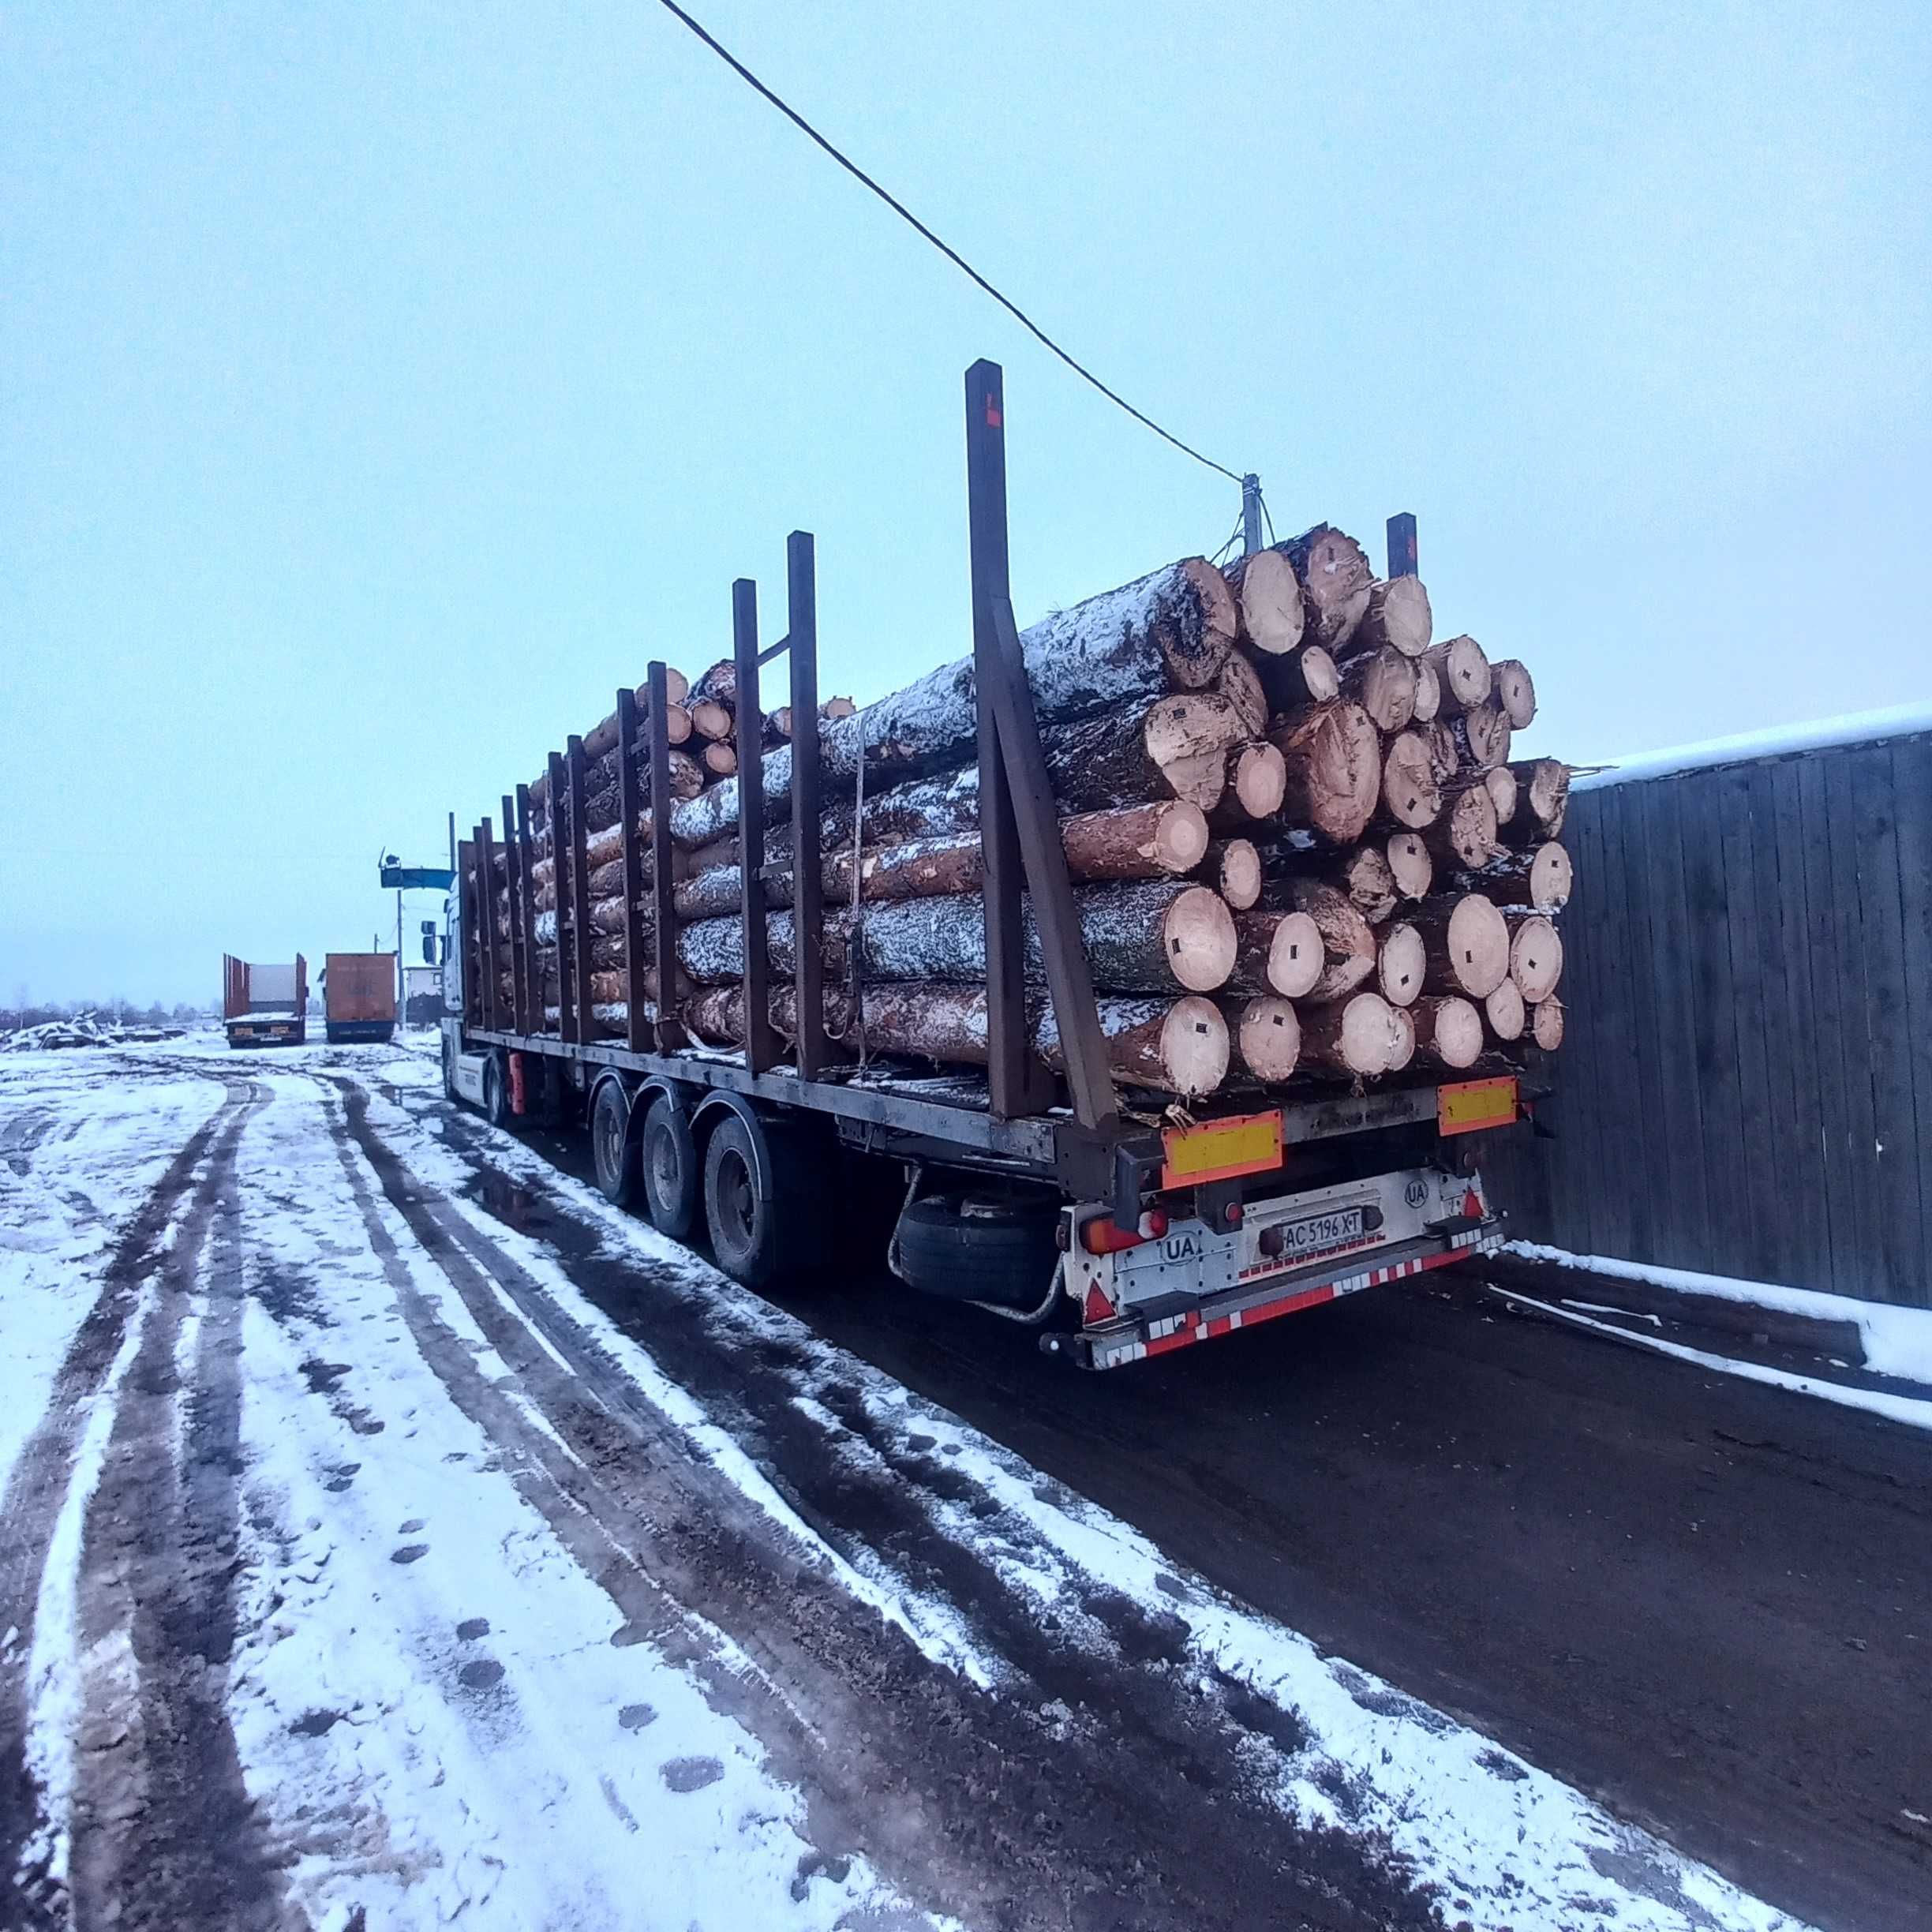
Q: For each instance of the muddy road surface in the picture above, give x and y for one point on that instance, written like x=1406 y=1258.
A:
x=398 y=1535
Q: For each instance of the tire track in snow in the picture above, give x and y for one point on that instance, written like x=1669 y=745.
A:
x=1174 y=1824
x=164 y=1833
x=38 y=1484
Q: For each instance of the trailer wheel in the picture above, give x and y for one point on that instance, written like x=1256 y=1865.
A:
x=672 y=1180
x=975 y=1247
x=496 y=1092
x=766 y=1215
x=611 y=1149
x=449 y=1072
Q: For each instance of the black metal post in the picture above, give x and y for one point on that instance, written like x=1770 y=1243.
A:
x=630 y=803
x=513 y=895
x=1251 y=513
x=664 y=914
x=761 y=1046
x=526 y=914
x=1019 y=825
x=807 y=881
x=1402 y=544
x=580 y=889
x=486 y=876
x=561 y=870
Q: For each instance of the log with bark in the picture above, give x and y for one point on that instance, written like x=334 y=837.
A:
x=1301 y=678
x=1538 y=877
x=1177 y=748
x=1333 y=759
x=1542 y=798
x=1240 y=683
x=1466 y=943
x=1171 y=630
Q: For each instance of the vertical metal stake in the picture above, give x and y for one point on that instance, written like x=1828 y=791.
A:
x=760 y=1044
x=1402 y=544
x=1251 y=513
x=808 y=881
x=560 y=871
x=580 y=888
x=664 y=913
x=630 y=803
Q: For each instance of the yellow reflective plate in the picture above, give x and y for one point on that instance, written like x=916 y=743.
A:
x=1220 y=1150
x=1471 y=1104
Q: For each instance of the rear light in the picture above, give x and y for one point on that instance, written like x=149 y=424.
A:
x=1101 y=1236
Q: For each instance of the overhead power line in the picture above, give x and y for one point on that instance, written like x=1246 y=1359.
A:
x=953 y=255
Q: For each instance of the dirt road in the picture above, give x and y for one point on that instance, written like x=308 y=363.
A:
x=404 y=1535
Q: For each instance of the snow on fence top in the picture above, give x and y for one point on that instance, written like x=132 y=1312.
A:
x=1826 y=734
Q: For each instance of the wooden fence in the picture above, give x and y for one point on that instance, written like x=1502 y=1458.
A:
x=1745 y=1085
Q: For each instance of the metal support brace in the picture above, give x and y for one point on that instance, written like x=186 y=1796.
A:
x=1019 y=825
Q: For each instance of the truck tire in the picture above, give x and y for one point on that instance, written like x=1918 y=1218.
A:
x=673 y=1181
x=613 y=1153
x=978 y=1248
x=763 y=1206
x=495 y=1092
x=449 y=1074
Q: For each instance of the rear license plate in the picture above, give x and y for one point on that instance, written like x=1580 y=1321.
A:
x=1315 y=1234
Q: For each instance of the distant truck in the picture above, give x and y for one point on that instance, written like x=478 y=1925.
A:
x=265 y=1006
x=358 y=996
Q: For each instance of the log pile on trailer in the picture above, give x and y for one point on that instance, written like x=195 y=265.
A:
x=1301 y=854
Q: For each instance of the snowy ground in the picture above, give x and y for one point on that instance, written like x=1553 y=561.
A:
x=360 y=1570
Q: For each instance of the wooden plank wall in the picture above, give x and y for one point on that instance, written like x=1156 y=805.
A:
x=1745 y=1086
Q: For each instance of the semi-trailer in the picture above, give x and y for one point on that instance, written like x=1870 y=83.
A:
x=359 y=996
x=1117 y=1227
x=265 y=1006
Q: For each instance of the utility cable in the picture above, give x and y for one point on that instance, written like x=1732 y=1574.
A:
x=951 y=254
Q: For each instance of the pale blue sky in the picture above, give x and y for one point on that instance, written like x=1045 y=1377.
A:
x=382 y=386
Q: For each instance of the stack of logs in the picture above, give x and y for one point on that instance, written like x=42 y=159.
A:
x=1300 y=848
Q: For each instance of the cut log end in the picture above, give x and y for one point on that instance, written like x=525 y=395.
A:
x=1546 y=1025
x=1382 y=682
x=1464 y=837
x=1500 y=782
x=1428 y=692
x=1535 y=957
x=1411 y=793
x=1468 y=944
x=1269 y=1037
x=1180 y=841
x=1198 y=940
x=1449 y=1032
x=1238 y=874
x=1355 y=1037
x=1269 y=598
x=1336 y=579
x=834 y=709
x=1404 y=1034
x=1463 y=672
x=1334 y=770
x=1515 y=691
x=1401 y=965
x=1257 y=780
x=1194 y=1047
x=1410 y=862
x=1240 y=683
x=1283 y=951
x=1549 y=877
x=1505 y=1012
x=1398 y=614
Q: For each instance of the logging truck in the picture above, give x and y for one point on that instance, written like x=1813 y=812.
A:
x=264 y=1005
x=1077 y=960
x=359 y=996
